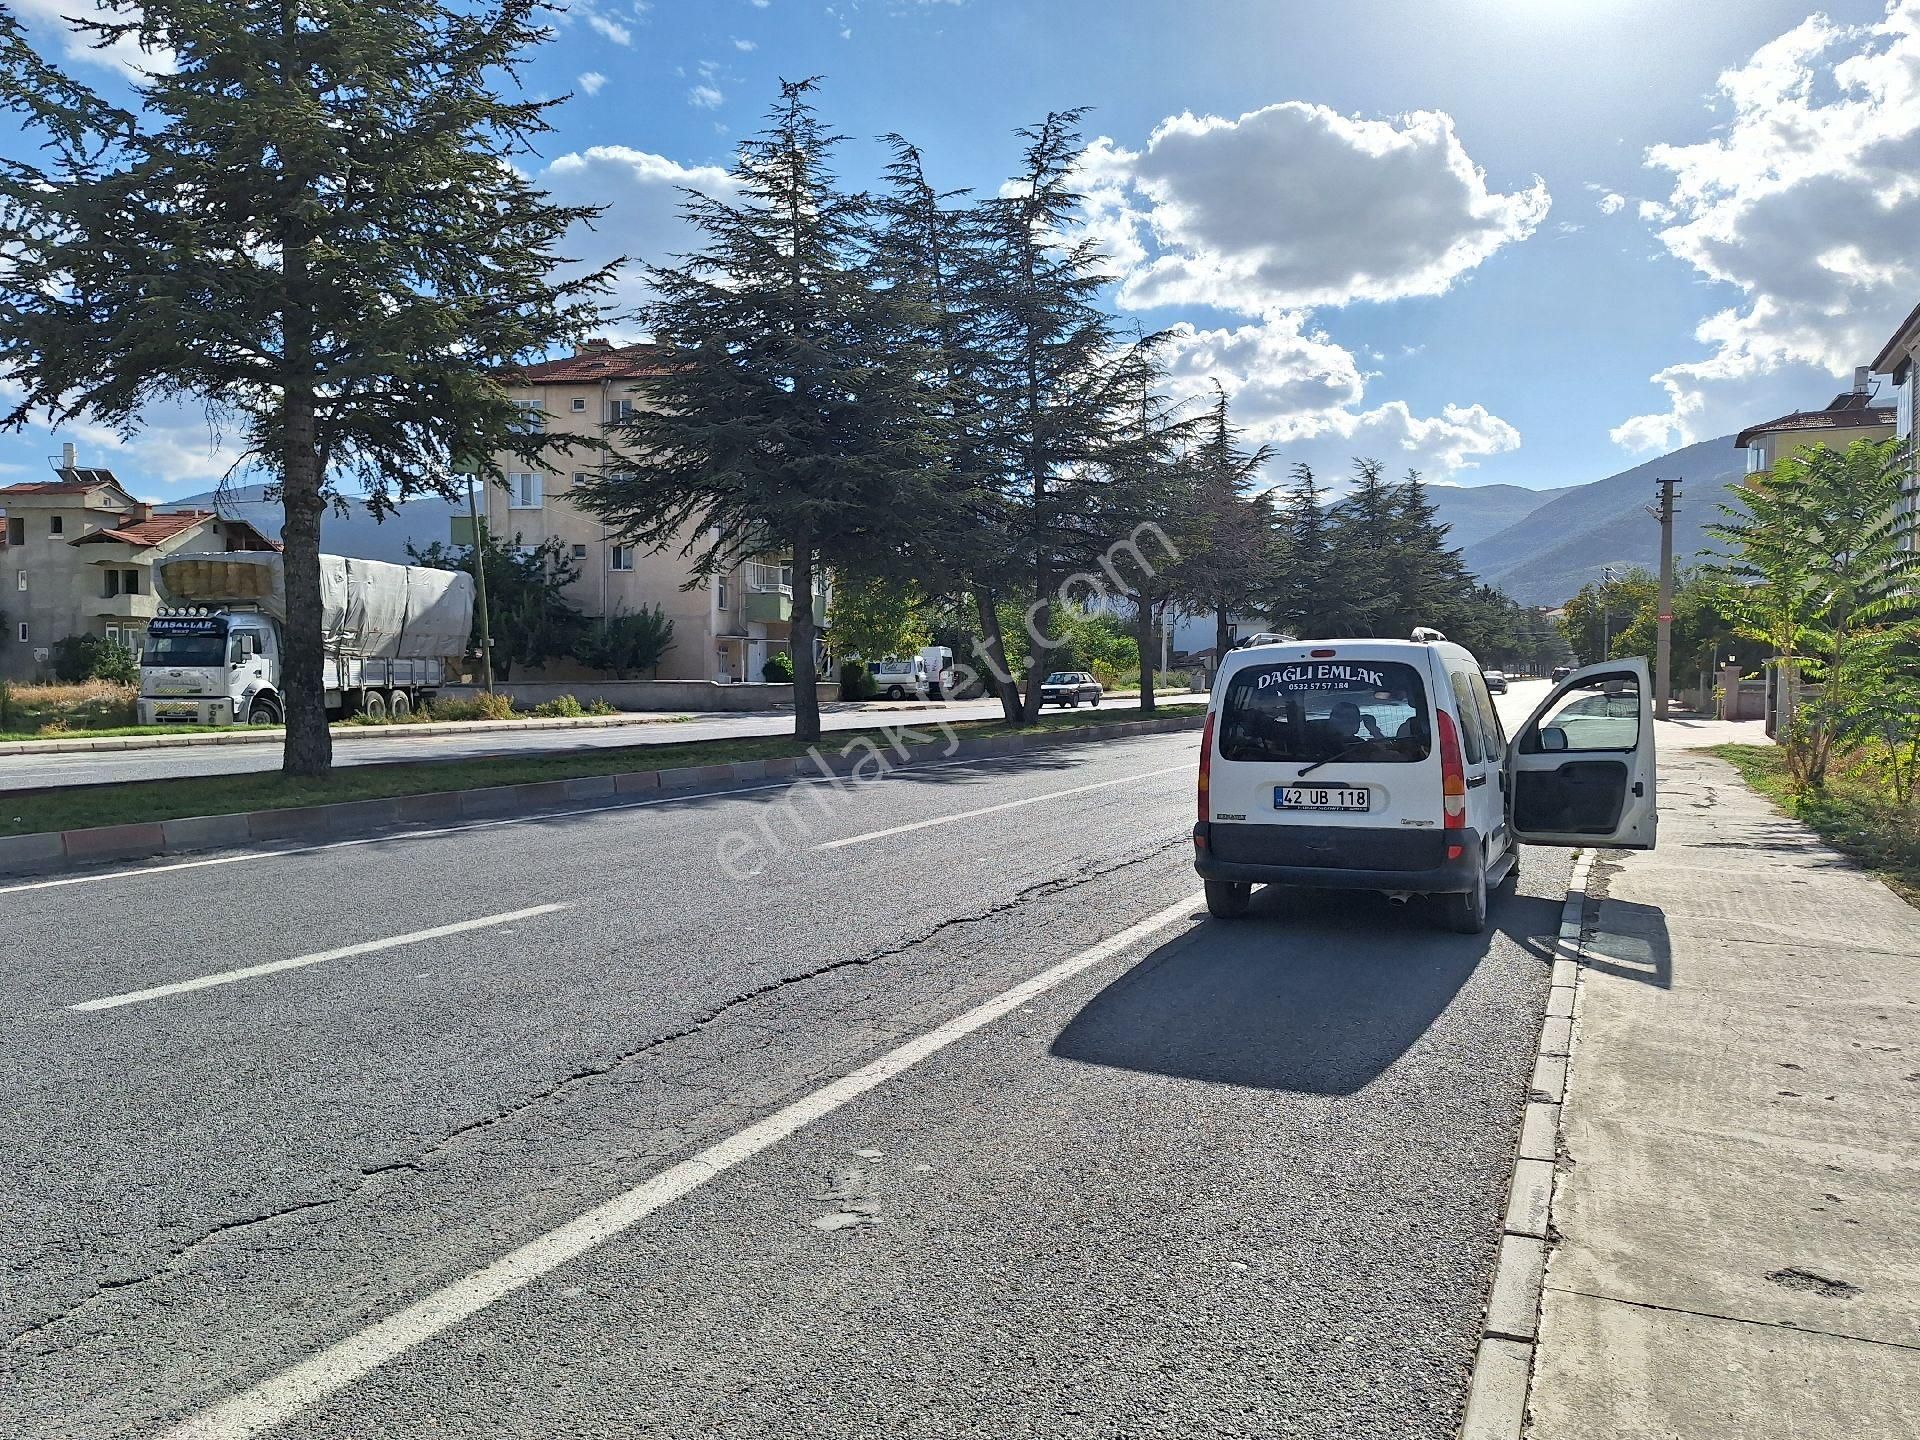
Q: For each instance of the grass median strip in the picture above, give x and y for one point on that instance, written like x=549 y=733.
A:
x=26 y=812
x=1854 y=816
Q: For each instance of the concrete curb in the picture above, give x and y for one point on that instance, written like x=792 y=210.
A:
x=274 y=734
x=1503 y=1363
x=67 y=849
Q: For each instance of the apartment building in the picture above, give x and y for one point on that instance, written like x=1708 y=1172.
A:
x=724 y=629
x=1899 y=361
x=1850 y=416
x=76 y=558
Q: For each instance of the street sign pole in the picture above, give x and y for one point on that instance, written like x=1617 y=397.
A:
x=480 y=589
x=1663 y=652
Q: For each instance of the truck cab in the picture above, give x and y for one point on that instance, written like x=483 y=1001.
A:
x=205 y=666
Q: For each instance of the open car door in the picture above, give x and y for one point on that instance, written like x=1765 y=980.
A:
x=1580 y=771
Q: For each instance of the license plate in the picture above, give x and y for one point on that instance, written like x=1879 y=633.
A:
x=187 y=712
x=1319 y=797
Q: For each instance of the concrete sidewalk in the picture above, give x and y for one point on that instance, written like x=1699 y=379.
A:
x=1738 y=1201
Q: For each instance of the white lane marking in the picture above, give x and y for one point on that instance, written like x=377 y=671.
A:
x=298 y=962
x=280 y=1397
x=995 y=809
x=254 y=856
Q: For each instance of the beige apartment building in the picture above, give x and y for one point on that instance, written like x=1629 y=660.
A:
x=76 y=558
x=1850 y=416
x=724 y=629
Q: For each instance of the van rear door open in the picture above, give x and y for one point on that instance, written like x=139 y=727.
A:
x=1581 y=770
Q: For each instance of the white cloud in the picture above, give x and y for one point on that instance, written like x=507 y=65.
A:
x=643 y=195
x=1297 y=205
x=46 y=23
x=592 y=81
x=616 y=32
x=746 y=45
x=1293 y=387
x=1612 y=204
x=1807 y=201
x=705 y=97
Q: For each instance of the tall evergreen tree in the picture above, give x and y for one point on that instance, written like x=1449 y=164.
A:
x=1237 y=562
x=1298 y=597
x=789 y=415
x=1057 y=381
x=928 y=253
x=314 y=225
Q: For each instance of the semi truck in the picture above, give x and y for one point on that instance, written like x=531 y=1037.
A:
x=392 y=634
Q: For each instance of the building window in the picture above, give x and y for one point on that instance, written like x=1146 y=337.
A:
x=723 y=593
x=23 y=632
x=23 y=579
x=56 y=524
x=113 y=583
x=533 y=415
x=579 y=552
x=618 y=410
x=16 y=530
x=1754 y=457
x=524 y=492
x=620 y=557
x=579 y=404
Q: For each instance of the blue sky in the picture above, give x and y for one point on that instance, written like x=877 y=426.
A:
x=1526 y=241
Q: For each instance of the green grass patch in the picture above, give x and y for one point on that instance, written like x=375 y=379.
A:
x=26 y=812
x=50 y=737
x=1849 y=813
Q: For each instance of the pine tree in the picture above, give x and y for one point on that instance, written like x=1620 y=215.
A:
x=315 y=226
x=1297 y=605
x=1237 y=561
x=1057 y=382
x=789 y=415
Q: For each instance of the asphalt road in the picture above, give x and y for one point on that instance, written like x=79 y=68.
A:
x=1214 y=1178
x=95 y=767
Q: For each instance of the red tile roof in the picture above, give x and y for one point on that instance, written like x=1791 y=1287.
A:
x=592 y=364
x=150 y=532
x=46 y=487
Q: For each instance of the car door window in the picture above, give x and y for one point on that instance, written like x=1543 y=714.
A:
x=1601 y=717
x=1471 y=739
x=1496 y=733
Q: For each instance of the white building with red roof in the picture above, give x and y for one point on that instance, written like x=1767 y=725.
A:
x=76 y=558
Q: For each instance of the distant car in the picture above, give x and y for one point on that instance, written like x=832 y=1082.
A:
x=1496 y=681
x=1069 y=688
x=1560 y=672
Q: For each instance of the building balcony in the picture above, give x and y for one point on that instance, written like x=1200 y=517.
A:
x=124 y=607
x=769 y=606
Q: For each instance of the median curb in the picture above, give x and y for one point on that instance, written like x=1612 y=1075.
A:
x=1503 y=1362
x=52 y=850
x=274 y=734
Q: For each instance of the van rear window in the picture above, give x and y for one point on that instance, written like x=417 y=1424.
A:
x=1364 y=711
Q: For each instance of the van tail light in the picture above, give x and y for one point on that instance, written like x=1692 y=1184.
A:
x=1206 y=768
x=1453 y=774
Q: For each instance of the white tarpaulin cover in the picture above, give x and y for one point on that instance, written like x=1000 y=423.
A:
x=367 y=607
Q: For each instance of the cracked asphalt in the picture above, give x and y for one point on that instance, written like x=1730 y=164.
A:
x=1234 y=1179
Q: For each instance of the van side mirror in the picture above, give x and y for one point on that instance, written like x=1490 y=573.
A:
x=1553 y=738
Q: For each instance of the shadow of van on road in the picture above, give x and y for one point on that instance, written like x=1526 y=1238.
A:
x=1316 y=992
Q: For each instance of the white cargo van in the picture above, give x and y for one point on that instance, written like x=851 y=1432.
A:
x=1383 y=765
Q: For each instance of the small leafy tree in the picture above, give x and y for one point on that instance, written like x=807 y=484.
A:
x=627 y=643
x=313 y=223
x=1816 y=565
x=1604 y=609
x=874 y=616
x=532 y=619
x=93 y=657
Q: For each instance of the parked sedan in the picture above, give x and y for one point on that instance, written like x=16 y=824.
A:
x=1069 y=688
x=1496 y=681
x=1560 y=672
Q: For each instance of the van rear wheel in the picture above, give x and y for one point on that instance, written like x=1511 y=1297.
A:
x=1228 y=899
x=1467 y=914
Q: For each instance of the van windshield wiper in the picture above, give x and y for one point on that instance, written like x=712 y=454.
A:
x=1338 y=754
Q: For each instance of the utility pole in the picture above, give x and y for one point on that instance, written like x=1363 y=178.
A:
x=1606 y=614
x=1663 y=652
x=480 y=590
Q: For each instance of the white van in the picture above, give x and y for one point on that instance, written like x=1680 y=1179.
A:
x=1383 y=765
x=928 y=675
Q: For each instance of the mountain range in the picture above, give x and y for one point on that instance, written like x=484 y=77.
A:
x=1552 y=546
x=418 y=522
x=1539 y=546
